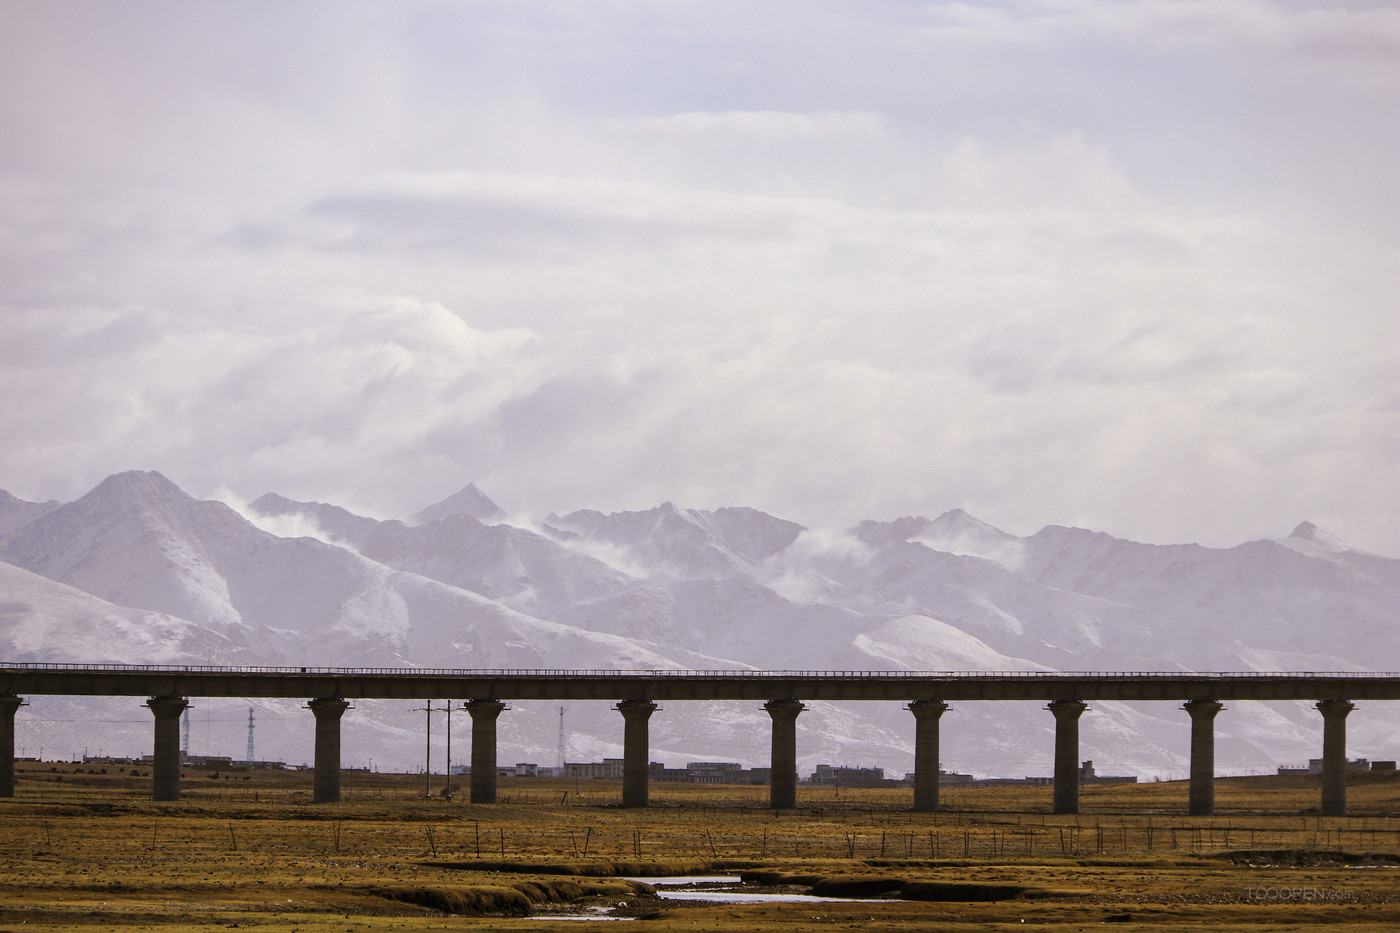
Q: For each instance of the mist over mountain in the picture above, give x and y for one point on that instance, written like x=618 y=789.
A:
x=137 y=571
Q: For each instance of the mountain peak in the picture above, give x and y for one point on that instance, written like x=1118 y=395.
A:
x=961 y=520
x=143 y=484
x=16 y=512
x=288 y=518
x=469 y=501
x=1307 y=531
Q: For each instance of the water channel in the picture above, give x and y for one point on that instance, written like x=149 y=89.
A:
x=719 y=889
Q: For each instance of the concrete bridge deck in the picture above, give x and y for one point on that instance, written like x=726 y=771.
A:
x=424 y=684
x=927 y=693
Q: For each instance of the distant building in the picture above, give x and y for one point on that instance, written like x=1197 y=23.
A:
x=715 y=772
x=831 y=776
x=944 y=778
x=708 y=772
x=607 y=769
x=1315 y=766
x=1088 y=776
x=210 y=762
x=520 y=769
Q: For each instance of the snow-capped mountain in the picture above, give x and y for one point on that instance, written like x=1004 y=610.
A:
x=679 y=543
x=470 y=502
x=286 y=518
x=139 y=541
x=43 y=620
x=136 y=570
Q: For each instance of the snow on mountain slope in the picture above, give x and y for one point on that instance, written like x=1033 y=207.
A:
x=1011 y=613
x=919 y=643
x=669 y=542
x=953 y=532
x=514 y=566
x=288 y=518
x=16 y=512
x=129 y=542
x=41 y=620
x=737 y=617
x=448 y=543
x=733 y=616
x=1263 y=593
x=470 y=502
x=1313 y=541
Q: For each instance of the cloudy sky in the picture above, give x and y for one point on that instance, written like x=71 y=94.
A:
x=1132 y=266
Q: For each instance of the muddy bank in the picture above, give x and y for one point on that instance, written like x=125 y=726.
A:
x=886 y=886
x=512 y=898
x=1305 y=858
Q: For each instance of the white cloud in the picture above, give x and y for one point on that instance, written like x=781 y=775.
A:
x=1126 y=265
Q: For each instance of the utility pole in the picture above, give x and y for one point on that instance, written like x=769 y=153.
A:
x=561 y=742
x=428 y=751
x=449 y=749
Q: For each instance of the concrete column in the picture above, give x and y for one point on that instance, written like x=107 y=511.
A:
x=1202 y=799
x=1067 y=713
x=1334 y=755
x=165 y=770
x=325 y=783
x=926 y=765
x=635 y=750
x=484 y=715
x=9 y=705
x=782 y=786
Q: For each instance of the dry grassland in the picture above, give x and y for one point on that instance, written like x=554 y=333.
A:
x=90 y=852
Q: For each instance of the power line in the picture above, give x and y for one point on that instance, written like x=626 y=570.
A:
x=24 y=719
x=20 y=720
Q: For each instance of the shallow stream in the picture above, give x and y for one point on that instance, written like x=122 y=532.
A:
x=722 y=889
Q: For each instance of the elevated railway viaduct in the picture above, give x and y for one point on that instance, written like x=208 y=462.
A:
x=637 y=692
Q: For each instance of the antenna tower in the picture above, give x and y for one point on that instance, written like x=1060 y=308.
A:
x=186 y=749
x=250 y=735
x=561 y=739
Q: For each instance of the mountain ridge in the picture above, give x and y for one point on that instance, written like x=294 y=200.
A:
x=672 y=587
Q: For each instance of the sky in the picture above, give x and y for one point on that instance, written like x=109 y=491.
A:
x=1127 y=265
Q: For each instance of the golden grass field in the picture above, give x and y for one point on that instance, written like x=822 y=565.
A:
x=86 y=851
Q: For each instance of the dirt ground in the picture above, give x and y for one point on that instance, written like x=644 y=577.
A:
x=85 y=850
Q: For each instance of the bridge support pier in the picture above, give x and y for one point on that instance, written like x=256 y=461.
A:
x=1202 y=795
x=1334 y=755
x=926 y=766
x=782 y=780
x=484 y=714
x=9 y=705
x=636 y=750
x=325 y=786
x=1067 y=713
x=165 y=759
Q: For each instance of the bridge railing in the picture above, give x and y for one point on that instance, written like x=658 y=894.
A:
x=664 y=673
